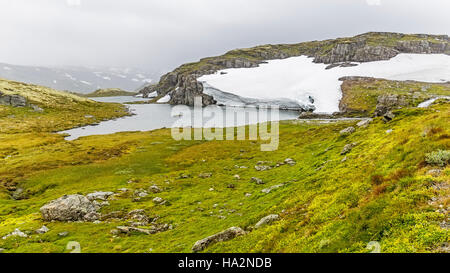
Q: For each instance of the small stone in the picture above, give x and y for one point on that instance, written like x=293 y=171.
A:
x=434 y=172
x=290 y=161
x=348 y=148
x=348 y=131
x=15 y=233
x=389 y=116
x=100 y=195
x=63 y=234
x=364 y=123
x=155 y=189
x=261 y=168
x=42 y=230
x=257 y=181
x=223 y=236
x=237 y=177
x=267 y=220
x=389 y=131
x=268 y=190
x=248 y=194
x=205 y=175
x=231 y=186
x=141 y=193
x=158 y=200
x=2 y=250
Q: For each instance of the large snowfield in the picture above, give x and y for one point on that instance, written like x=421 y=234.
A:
x=295 y=79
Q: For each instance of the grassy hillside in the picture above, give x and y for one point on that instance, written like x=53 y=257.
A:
x=389 y=188
x=27 y=132
x=109 y=92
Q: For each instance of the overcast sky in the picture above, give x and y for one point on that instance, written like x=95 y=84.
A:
x=162 y=34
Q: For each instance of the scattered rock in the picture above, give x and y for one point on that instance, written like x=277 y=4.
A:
x=290 y=161
x=15 y=233
x=184 y=176
x=155 y=189
x=231 y=186
x=36 y=108
x=434 y=172
x=63 y=234
x=389 y=116
x=268 y=190
x=267 y=220
x=237 y=177
x=205 y=175
x=2 y=250
x=389 y=131
x=159 y=201
x=42 y=230
x=140 y=193
x=152 y=230
x=70 y=208
x=248 y=194
x=444 y=248
x=348 y=148
x=123 y=190
x=364 y=123
x=347 y=131
x=261 y=168
x=100 y=195
x=225 y=235
x=211 y=189
x=138 y=217
x=258 y=181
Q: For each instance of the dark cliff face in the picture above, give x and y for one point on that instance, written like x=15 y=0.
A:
x=182 y=83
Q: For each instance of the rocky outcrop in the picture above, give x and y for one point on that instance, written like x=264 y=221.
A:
x=182 y=85
x=387 y=103
x=70 y=208
x=225 y=235
x=12 y=100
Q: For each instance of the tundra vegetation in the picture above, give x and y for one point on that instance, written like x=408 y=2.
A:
x=321 y=191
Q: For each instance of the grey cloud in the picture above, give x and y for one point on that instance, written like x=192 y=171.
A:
x=161 y=34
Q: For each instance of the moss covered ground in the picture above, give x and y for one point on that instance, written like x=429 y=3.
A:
x=381 y=191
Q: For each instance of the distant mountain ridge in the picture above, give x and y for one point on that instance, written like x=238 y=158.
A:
x=78 y=79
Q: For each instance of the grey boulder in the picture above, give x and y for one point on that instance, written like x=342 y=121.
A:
x=225 y=235
x=70 y=208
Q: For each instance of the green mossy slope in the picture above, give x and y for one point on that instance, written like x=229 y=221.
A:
x=382 y=190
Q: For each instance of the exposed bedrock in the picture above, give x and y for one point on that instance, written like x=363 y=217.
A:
x=182 y=84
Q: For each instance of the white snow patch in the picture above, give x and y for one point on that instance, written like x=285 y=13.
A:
x=107 y=78
x=164 y=99
x=147 y=80
x=153 y=94
x=297 y=78
x=7 y=68
x=135 y=80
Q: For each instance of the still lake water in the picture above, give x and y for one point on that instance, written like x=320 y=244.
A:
x=149 y=117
